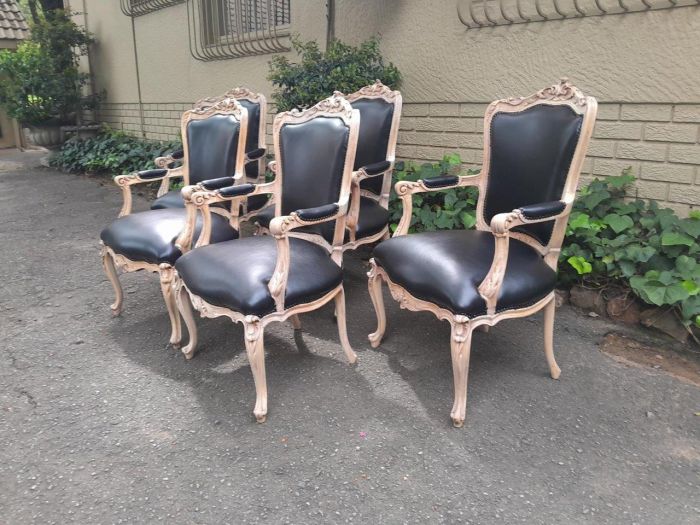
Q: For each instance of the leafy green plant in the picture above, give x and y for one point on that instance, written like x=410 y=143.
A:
x=439 y=210
x=614 y=241
x=41 y=80
x=318 y=74
x=111 y=153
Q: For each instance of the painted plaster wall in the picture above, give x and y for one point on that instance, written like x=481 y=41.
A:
x=644 y=68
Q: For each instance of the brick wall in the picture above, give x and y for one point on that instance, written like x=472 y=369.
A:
x=660 y=142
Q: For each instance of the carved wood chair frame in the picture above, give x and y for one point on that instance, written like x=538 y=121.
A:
x=113 y=261
x=281 y=229
x=243 y=93
x=165 y=162
x=373 y=92
x=501 y=226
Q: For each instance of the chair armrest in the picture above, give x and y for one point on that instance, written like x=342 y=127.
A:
x=543 y=210
x=279 y=229
x=405 y=189
x=166 y=160
x=501 y=225
x=126 y=181
x=255 y=154
x=198 y=199
x=201 y=195
x=216 y=184
x=319 y=213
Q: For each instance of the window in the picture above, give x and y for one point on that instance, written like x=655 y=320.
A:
x=142 y=7
x=221 y=29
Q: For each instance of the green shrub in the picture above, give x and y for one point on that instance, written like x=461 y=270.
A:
x=110 y=152
x=41 y=80
x=438 y=210
x=611 y=241
x=340 y=68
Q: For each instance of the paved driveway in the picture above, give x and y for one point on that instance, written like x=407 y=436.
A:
x=100 y=423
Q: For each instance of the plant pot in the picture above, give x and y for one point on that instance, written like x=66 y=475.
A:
x=46 y=136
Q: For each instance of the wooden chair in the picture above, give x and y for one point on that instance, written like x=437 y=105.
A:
x=214 y=136
x=533 y=151
x=272 y=278
x=255 y=151
x=380 y=116
x=368 y=217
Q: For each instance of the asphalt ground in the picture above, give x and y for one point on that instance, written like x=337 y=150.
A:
x=100 y=423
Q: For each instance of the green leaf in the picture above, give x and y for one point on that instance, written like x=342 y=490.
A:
x=581 y=265
x=685 y=264
x=618 y=223
x=628 y=268
x=468 y=219
x=691 y=287
x=579 y=220
x=675 y=293
x=653 y=292
x=639 y=253
x=676 y=239
x=691 y=227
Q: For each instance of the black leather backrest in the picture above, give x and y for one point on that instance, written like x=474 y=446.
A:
x=253 y=136
x=531 y=152
x=375 y=127
x=212 y=145
x=312 y=158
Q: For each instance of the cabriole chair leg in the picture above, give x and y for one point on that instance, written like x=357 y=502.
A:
x=185 y=309
x=375 y=292
x=166 y=273
x=342 y=328
x=111 y=271
x=461 y=342
x=549 y=311
x=256 y=357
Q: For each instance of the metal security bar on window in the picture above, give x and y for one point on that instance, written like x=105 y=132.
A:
x=488 y=13
x=223 y=29
x=142 y=7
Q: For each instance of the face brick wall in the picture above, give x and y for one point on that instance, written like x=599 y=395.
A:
x=660 y=142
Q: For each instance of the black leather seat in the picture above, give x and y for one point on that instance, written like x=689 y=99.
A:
x=235 y=274
x=150 y=236
x=173 y=199
x=372 y=220
x=446 y=267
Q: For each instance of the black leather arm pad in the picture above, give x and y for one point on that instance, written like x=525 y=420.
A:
x=318 y=213
x=542 y=210
x=376 y=168
x=217 y=184
x=441 y=182
x=256 y=153
x=152 y=174
x=178 y=154
x=237 y=191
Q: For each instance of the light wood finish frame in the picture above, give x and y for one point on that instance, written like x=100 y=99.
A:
x=373 y=92
x=281 y=229
x=112 y=262
x=237 y=93
x=561 y=94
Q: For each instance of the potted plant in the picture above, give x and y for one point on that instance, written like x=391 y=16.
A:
x=41 y=84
